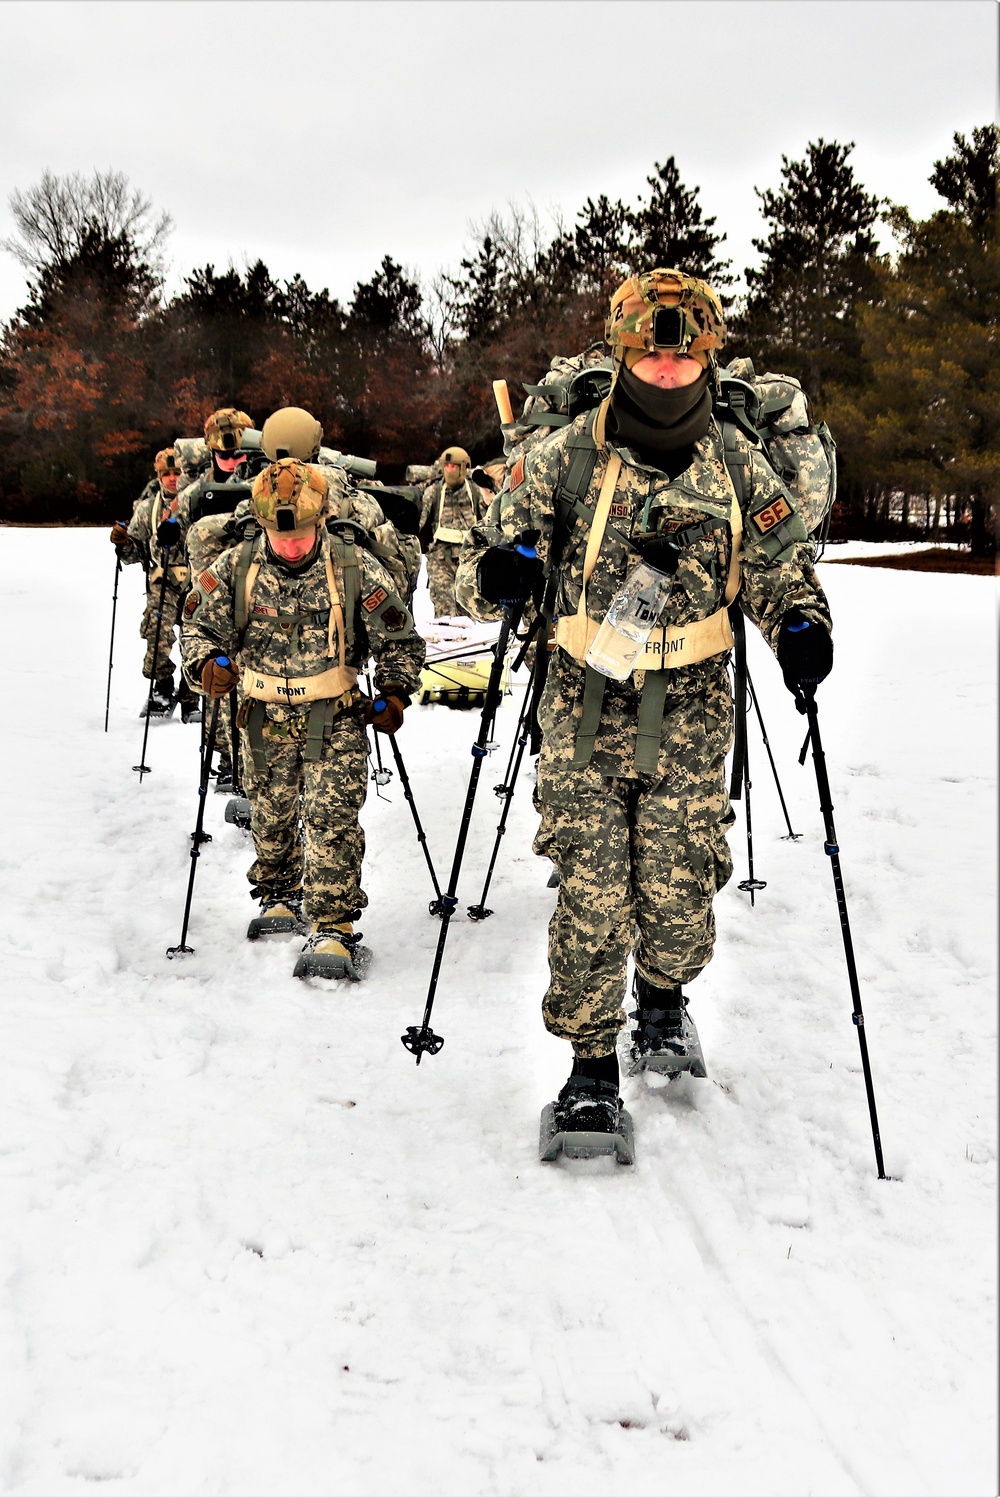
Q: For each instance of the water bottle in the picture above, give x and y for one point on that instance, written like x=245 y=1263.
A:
x=630 y=621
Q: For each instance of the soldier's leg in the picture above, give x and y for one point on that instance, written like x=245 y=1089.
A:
x=442 y=566
x=274 y=792
x=334 y=793
x=585 y=831
x=681 y=858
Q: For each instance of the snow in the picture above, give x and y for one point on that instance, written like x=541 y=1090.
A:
x=250 y=1247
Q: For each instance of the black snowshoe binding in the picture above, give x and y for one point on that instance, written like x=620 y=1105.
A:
x=334 y=951
x=161 y=701
x=224 y=779
x=587 y=1120
x=665 y=1039
x=279 y=915
x=190 y=709
x=238 y=812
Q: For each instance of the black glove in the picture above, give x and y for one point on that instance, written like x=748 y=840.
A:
x=509 y=574
x=659 y=552
x=805 y=651
x=168 y=533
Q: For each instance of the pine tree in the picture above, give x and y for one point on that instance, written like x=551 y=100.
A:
x=670 y=230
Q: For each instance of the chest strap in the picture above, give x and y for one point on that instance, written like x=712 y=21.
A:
x=450 y=532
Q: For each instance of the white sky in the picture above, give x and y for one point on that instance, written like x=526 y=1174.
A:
x=321 y=136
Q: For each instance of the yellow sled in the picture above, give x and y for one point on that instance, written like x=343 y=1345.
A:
x=460 y=683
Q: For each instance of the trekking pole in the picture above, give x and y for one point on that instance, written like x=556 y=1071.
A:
x=111 y=647
x=750 y=883
x=234 y=747
x=419 y=1039
x=380 y=774
x=199 y=835
x=805 y=701
x=791 y=836
x=506 y=790
x=435 y=907
x=142 y=767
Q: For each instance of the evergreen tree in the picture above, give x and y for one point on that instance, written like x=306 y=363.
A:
x=800 y=311
x=670 y=230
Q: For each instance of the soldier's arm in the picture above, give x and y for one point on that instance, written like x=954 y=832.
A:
x=138 y=547
x=525 y=503
x=778 y=571
x=392 y=638
x=208 y=624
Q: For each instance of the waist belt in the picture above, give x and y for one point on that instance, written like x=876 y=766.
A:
x=178 y=577
x=449 y=533
x=669 y=646
x=322 y=712
x=291 y=690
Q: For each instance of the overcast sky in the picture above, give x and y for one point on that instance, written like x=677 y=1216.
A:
x=320 y=136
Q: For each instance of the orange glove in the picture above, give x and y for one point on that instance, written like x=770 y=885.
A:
x=119 y=533
x=387 y=709
x=219 y=675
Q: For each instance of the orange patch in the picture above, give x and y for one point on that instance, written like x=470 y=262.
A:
x=371 y=603
x=208 y=581
x=517 y=474
x=191 y=603
x=766 y=519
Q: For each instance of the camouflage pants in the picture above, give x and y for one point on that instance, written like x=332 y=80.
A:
x=164 y=666
x=442 y=564
x=639 y=861
x=305 y=824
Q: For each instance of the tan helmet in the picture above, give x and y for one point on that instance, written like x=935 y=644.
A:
x=165 y=461
x=291 y=433
x=455 y=455
x=224 y=429
x=665 y=309
x=289 y=496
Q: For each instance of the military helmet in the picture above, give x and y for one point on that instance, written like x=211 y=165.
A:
x=165 y=462
x=289 y=495
x=455 y=455
x=665 y=309
x=291 y=433
x=225 y=428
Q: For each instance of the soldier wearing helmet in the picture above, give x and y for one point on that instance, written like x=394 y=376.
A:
x=298 y=606
x=452 y=503
x=631 y=775
x=158 y=519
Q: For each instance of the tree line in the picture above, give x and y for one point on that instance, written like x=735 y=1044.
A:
x=100 y=368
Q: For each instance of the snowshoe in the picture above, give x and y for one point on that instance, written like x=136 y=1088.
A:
x=279 y=915
x=585 y=1121
x=333 y=951
x=238 y=812
x=665 y=1039
x=191 y=710
x=224 y=785
x=161 y=701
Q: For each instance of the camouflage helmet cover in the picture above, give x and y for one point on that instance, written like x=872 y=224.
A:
x=630 y=323
x=291 y=433
x=289 y=496
x=165 y=461
x=455 y=455
x=224 y=429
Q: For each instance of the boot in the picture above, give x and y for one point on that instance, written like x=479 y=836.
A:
x=224 y=778
x=587 y=1119
x=279 y=914
x=161 y=701
x=190 y=705
x=329 y=951
x=665 y=1039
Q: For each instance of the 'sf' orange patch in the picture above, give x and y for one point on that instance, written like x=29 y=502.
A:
x=371 y=603
x=517 y=474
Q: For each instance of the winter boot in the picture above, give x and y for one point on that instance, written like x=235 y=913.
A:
x=224 y=778
x=279 y=914
x=161 y=700
x=332 y=951
x=587 y=1119
x=665 y=1039
x=190 y=705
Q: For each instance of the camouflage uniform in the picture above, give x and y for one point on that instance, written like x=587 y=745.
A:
x=150 y=510
x=287 y=777
x=451 y=510
x=640 y=854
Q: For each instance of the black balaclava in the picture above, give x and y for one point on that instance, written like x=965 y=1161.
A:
x=661 y=426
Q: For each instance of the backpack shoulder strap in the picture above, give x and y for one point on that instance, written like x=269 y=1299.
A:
x=241 y=592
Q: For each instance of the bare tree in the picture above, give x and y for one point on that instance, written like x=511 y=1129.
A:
x=56 y=217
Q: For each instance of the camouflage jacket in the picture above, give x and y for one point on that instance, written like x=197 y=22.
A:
x=647 y=501
x=287 y=630
x=455 y=509
x=150 y=509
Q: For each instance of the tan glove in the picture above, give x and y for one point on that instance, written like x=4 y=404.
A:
x=119 y=533
x=388 y=708
x=218 y=679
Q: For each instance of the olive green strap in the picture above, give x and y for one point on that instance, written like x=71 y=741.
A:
x=243 y=560
x=651 y=705
x=255 y=733
x=593 y=701
x=320 y=722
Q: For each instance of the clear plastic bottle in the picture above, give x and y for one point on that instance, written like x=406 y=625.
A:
x=629 y=622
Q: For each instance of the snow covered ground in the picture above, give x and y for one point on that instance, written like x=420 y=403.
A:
x=249 y=1247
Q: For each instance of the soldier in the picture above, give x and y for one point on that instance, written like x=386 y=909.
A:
x=298 y=609
x=452 y=504
x=631 y=784
x=155 y=537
